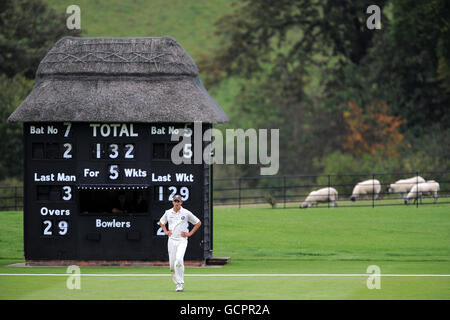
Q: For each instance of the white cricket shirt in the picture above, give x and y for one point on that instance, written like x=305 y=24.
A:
x=178 y=221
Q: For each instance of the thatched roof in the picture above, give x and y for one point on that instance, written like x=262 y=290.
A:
x=118 y=80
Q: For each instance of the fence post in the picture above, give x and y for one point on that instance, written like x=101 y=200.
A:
x=417 y=190
x=328 y=191
x=239 y=194
x=284 y=192
x=15 y=198
x=373 y=190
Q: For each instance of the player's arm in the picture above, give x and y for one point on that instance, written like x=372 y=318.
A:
x=194 y=229
x=164 y=229
x=162 y=223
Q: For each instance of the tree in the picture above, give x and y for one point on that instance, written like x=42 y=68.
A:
x=421 y=37
x=292 y=53
x=28 y=29
x=277 y=100
x=406 y=66
x=304 y=61
x=12 y=93
x=372 y=130
x=303 y=32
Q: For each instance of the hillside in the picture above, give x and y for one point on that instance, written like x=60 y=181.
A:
x=191 y=22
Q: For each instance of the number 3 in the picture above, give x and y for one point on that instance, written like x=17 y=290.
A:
x=113 y=151
x=67 y=193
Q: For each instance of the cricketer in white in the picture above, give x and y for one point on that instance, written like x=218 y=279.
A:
x=178 y=218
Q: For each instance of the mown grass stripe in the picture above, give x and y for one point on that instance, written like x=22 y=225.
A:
x=225 y=275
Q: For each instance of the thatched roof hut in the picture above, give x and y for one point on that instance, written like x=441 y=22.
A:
x=151 y=79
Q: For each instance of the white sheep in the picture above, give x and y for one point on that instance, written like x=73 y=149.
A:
x=321 y=195
x=430 y=187
x=367 y=187
x=404 y=185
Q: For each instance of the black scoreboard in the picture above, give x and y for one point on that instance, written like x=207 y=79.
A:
x=96 y=191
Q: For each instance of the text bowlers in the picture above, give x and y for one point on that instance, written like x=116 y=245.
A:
x=178 y=218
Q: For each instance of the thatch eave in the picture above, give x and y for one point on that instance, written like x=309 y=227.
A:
x=88 y=80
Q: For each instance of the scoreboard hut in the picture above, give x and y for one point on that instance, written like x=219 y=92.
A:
x=97 y=145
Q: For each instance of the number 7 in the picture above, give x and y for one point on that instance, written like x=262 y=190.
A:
x=69 y=125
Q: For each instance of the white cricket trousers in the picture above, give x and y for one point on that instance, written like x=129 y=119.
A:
x=176 y=249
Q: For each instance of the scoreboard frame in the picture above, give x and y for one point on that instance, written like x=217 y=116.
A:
x=76 y=171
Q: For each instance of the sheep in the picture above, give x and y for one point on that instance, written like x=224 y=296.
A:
x=404 y=185
x=367 y=187
x=430 y=187
x=321 y=195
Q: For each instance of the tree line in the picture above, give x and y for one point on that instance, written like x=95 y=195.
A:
x=340 y=92
x=28 y=29
x=345 y=97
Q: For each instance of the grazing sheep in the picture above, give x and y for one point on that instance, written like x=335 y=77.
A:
x=321 y=195
x=367 y=187
x=430 y=187
x=404 y=185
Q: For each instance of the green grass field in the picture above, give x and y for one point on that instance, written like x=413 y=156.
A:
x=280 y=242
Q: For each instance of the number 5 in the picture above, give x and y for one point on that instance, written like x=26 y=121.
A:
x=114 y=171
x=187 y=150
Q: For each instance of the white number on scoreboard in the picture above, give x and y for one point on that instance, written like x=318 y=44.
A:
x=172 y=191
x=62 y=227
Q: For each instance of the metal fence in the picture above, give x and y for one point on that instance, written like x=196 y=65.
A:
x=290 y=191
x=11 y=198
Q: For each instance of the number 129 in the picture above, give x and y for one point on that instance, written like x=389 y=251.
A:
x=171 y=192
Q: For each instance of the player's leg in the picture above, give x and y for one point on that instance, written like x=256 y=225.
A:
x=171 y=247
x=179 y=261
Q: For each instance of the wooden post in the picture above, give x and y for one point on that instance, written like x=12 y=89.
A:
x=239 y=196
x=373 y=190
x=328 y=191
x=417 y=190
